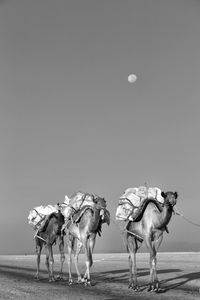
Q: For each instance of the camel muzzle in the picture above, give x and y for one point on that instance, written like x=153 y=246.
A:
x=173 y=202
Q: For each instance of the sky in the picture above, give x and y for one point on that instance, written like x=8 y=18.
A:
x=70 y=120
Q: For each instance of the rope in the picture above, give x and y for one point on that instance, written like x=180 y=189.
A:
x=186 y=219
x=39 y=237
x=38 y=213
x=125 y=230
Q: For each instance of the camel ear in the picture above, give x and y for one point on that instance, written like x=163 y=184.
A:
x=175 y=195
x=163 y=195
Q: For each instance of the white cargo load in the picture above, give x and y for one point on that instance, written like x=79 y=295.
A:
x=132 y=198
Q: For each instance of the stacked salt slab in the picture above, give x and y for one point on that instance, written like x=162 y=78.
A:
x=38 y=213
x=79 y=199
x=76 y=201
x=132 y=198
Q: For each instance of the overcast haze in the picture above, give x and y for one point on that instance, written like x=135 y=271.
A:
x=69 y=119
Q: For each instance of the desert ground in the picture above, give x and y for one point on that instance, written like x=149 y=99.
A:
x=179 y=274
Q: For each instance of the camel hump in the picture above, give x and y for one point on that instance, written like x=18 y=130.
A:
x=137 y=214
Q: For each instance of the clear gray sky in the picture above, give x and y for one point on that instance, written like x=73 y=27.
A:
x=69 y=119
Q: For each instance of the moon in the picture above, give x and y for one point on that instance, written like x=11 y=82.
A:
x=132 y=78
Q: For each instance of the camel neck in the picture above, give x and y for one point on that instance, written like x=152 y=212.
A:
x=95 y=218
x=166 y=213
x=96 y=213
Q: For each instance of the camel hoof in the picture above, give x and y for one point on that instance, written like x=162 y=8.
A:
x=154 y=288
x=159 y=290
x=59 y=277
x=80 y=281
x=52 y=279
x=150 y=288
x=70 y=282
x=87 y=283
x=36 y=278
x=135 y=288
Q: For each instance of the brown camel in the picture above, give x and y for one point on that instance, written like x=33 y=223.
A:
x=150 y=228
x=84 y=233
x=50 y=233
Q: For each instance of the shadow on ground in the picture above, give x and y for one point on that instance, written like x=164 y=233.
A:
x=116 y=276
x=182 y=280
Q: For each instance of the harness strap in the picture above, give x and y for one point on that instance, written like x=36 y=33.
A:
x=39 y=237
x=135 y=235
x=129 y=201
x=132 y=208
x=64 y=204
x=125 y=230
x=83 y=199
x=38 y=213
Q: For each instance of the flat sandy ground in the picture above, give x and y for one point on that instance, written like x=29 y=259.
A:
x=179 y=274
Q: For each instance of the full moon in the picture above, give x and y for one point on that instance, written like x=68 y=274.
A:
x=132 y=78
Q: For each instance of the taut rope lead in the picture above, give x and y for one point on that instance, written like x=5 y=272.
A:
x=186 y=219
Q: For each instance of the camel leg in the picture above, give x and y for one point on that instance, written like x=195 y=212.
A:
x=49 y=262
x=47 y=259
x=38 y=253
x=62 y=257
x=132 y=247
x=78 y=250
x=156 y=244
x=69 y=258
x=89 y=246
x=153 y=247
x=152 y=260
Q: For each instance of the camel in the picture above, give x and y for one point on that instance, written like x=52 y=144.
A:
x=84 y=234
x=48 y=237
x=149 y=228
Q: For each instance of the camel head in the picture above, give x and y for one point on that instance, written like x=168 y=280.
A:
x=170 y=197
x=100 y=203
